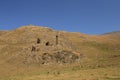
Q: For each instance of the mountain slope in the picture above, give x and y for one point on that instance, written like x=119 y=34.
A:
x=21 y=41
x=36 y=46
x=113 y=33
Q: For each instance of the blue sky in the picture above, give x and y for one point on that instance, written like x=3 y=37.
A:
x=85 y=16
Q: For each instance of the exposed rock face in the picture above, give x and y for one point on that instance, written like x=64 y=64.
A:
x=66 y=57
x=48 y=54
x=61 y=57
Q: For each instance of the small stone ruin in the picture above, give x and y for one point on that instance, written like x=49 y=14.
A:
x=38 y=40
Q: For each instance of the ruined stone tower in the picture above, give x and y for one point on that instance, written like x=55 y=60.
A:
x=56 y=39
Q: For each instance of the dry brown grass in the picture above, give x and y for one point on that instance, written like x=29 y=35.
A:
x=99 y=55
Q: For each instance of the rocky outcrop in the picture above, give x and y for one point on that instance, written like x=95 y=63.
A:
x=60 y=57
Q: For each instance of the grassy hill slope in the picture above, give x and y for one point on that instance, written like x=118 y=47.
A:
x=31 y=53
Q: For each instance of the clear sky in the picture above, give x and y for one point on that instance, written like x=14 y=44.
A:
x=85 y=16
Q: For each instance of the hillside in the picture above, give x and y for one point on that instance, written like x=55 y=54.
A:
x=113 y=33
x=29 y=49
